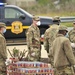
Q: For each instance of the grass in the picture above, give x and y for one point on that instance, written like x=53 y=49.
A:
x=67 y=24
x=61 y=14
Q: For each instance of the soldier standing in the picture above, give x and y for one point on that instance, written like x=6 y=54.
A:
x=33 y=40
x=3 y=52
x=49 y=37
x=62 y=53
x=72 y=36
x=50 y=33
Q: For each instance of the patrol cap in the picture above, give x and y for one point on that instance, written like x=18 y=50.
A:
x=56 y=18
x=2 y=24
x=62 y=27
x=36 y=18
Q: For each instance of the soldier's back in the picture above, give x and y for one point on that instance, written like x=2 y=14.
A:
x=72 y=35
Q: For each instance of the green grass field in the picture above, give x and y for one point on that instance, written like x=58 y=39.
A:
x=67 y=24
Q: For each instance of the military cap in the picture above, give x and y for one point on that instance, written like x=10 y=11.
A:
x=2 y=24
x=56 y=18
x=62 y=27
x=36 y=18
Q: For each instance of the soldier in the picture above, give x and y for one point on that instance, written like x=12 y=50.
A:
x=33 y=40
x=51 y=31
x=62 y=53
x=3 y=52
x=72 y=36
x=49 y=36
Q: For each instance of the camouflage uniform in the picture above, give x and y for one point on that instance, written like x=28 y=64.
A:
x=33 y=43
x=49 y=37
x=3 y=52
x=62 y=53
x=72 y=38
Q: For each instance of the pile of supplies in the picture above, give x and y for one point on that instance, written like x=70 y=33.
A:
x=29 y=68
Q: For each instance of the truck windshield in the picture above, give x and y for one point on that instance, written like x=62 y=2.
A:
x=16 y=7
x=12 y=13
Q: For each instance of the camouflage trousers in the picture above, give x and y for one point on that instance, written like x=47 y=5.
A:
x=34 y=54
x=50 y=60
x=3 y=68
x=2 y=73
x=66 y=70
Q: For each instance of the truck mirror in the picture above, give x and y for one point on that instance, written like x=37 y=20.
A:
x=22 y=17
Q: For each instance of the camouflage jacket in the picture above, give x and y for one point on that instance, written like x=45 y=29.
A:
x=49 y=36
x=33 y=36
x=72 y=35
x=3 y=52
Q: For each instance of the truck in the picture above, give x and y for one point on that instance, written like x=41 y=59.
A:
x=18 y=21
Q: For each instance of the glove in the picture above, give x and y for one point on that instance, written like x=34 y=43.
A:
x=33 y=54
x=73 y=45
x=42 y=36
x=8 y=62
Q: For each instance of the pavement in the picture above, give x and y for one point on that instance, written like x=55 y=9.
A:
x=22 y=47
